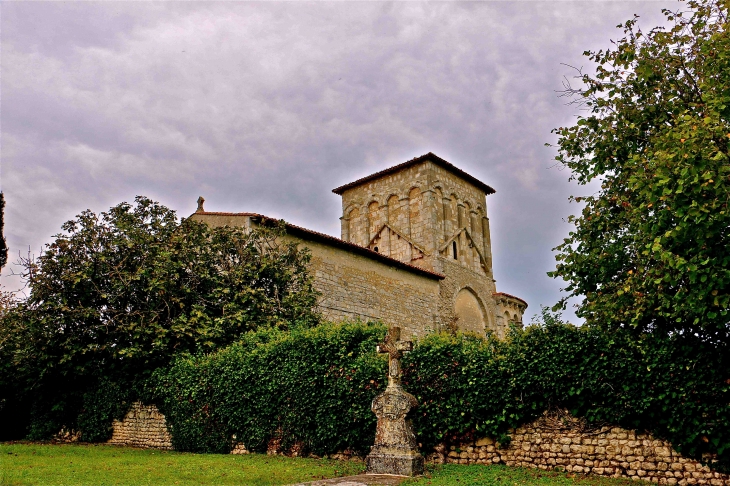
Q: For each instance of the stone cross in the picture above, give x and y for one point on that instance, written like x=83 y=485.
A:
x=200 y=209
x=396 y=448
x=394 y=348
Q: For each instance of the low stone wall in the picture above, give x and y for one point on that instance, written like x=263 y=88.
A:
x=554 y=441
x=557 y=440
x=143 y=426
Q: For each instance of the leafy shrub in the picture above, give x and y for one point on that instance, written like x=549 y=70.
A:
x=312 y=386
x=100 y=406
x=119 y=294
x=462 y=387
x=677 y=387
x=315 y=386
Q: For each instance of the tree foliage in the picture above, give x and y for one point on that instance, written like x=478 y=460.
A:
x=118 y=294
x=649 y=250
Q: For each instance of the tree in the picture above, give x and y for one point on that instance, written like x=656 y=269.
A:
x=649 y=251
x=3 y=244
x=117 y=295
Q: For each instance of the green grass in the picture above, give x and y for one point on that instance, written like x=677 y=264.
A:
x=499 y=475
x=45 y=464
x=85 y=464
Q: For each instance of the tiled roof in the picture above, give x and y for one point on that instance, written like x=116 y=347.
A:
x=324 y=238
x=423 y=158
x=217 y=213
x=498 y=294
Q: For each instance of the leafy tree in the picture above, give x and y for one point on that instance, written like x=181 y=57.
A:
x=116 y=295
x=3 y=245
x=650 y=249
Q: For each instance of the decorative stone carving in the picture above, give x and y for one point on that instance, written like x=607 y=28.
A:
x=395 y=450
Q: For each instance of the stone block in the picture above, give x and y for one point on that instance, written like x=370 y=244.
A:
x=401 y=465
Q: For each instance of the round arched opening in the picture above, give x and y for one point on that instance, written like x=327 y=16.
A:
x=469 y=312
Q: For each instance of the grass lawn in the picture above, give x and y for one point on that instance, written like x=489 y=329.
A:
x=97 y=465
x=499 y=475
x=70 y=464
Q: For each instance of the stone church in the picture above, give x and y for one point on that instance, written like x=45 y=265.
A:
x=415 y=251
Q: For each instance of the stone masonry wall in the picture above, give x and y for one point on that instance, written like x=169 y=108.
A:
x=355 y=286
x=437 y=211
x=560 y=441
x=143 y=426
x=426 y=203
x=459 y=278
x=394 y=199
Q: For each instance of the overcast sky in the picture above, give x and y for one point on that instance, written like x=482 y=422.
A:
x=267 y=106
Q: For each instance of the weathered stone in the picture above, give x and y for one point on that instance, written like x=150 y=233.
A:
x=395 y=450
x=420 y=232
x=143 y=426
x=651 y=459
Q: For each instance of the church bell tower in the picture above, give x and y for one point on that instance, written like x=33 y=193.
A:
x=428 y=213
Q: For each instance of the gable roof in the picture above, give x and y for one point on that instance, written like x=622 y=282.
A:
x=330 y=240
x=423 y=158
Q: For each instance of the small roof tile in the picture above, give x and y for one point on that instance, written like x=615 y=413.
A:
x=497 y=294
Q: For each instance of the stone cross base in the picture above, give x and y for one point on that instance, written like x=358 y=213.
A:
x=399 y=464
x=395 y=450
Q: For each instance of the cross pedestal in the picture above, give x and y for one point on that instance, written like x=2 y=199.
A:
x=395 y=450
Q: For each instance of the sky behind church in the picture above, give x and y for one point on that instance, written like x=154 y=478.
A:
x=267 y=106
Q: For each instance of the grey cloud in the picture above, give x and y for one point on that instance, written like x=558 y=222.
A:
x=267 y=106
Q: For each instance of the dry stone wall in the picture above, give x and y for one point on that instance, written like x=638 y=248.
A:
x=143 y=426
x=563 y=442
x=554 y=441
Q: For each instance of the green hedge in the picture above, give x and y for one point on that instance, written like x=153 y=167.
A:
x=678 y=388
x=315 y=386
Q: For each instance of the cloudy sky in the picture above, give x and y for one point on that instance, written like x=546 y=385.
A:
x=267 y=106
